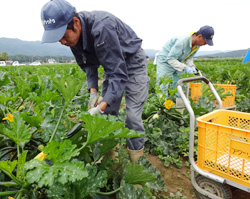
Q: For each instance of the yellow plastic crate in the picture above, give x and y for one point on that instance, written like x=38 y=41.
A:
x=224 y=145
x=227 y=102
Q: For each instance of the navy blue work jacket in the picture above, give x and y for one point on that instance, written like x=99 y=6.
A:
x=106 y=41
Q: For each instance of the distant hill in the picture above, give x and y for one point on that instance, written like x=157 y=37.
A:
x=235 y=53
x=35 y=48
x=32 y=48
x=207 y=53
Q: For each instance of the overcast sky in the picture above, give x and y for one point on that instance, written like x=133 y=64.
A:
x=153 y=21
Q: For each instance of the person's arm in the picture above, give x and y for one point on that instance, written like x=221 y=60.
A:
x=91 y=71
x=110 y=56
x=92 y=77
x=174 y=54
x=176 y=64
x=190 y=62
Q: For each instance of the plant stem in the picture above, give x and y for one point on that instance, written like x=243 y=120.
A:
x=8 y=184
x=20 y=194
x=16 y=180
x=8 y=193
x=82 y=147
x=108 y=193
x=30 y=106
x=18 y=151
x=18 y=100
x=58 y=122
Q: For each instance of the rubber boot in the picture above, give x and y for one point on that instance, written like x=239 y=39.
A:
x=134 y=155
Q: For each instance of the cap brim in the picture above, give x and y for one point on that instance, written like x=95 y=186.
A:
x=210 y=42
x=52 y=36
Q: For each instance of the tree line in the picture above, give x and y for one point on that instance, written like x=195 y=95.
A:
x=26 y=58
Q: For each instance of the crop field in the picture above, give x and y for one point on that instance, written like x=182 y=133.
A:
x=45 y=155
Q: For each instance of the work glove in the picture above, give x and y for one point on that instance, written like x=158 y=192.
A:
x=190 y=70
x=92 y=100
x=96 y=110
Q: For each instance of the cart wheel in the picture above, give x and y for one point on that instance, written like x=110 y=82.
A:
x=216 y=188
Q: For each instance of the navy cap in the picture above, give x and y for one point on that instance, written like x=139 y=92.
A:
x=207 y=33
x=55 y=16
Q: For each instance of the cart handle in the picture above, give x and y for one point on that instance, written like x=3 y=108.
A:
x=192 y=124
x=192 y=79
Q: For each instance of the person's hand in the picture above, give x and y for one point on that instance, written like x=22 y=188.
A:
x=96 y=110
x=92 y=100
x=190 y=70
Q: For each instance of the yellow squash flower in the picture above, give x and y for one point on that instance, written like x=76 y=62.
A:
x=10 y=197
x=41 y=156
x=154 y=75
x=9 y=117
x=168 y=104
x=21 y=108
x=25 y=79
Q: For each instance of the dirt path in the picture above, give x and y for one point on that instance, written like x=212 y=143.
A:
x=180 y=180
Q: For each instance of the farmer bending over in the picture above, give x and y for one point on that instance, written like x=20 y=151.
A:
x=99 y=38
x=178 y=50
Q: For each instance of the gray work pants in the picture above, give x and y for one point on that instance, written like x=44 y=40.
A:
x=136 y=92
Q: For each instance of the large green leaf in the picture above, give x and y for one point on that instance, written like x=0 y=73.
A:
x=135 y=174
x=4 y=78
x=42 y=173
x=46 y=96
x=8 y=165
x=158 y=185
x=130 y=192
x=80 y=189
x=60 y=152
x=23 y=87
x=48 y=126
x=68 y=86
x=100 y=129
x=62 y=169
x=33 y=120
x=93 y=182
x=102 y=147
x=59 y=191
x=18 y=131
x=7 y=96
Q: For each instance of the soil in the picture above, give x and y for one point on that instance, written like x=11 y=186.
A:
x=180 y=180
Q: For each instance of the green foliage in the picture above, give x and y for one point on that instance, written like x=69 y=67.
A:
x=178 y=195
x=4 y=80
x=74 y=167
x=158 y=185
x=135 y=174
x=100 y=129
x=17 y=130
x=62 y=170
x=206 y=92
x=244 y=105
x=68 y=86
x=130 y=192
x=8 y=166
x=4 y=56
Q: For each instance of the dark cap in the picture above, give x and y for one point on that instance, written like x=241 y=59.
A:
x=55 y=16
x=207 y=33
